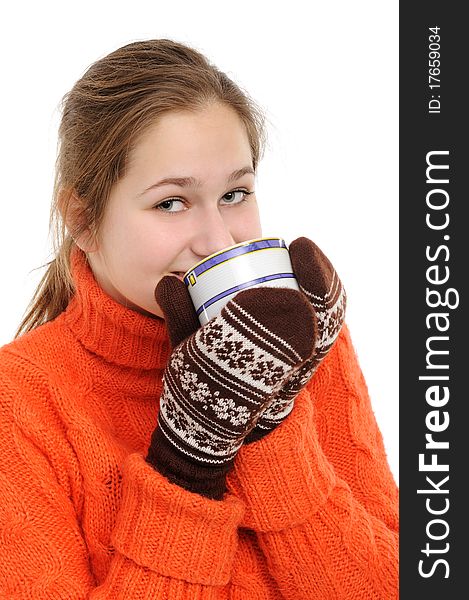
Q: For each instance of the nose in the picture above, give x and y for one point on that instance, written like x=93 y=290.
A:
x=211 y=233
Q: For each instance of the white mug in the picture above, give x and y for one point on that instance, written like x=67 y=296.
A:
x=262 y=262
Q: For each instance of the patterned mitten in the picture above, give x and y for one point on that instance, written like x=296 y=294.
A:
x=219 y=380
x=320 y=283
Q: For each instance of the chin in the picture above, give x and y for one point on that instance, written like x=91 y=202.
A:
x=154 y=311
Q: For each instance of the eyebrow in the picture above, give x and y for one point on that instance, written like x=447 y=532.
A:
x=192 y=182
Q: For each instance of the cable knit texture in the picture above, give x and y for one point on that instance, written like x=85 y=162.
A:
x=310 y=512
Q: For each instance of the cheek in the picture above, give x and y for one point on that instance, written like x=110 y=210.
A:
x=246 y=225
x=140 y=244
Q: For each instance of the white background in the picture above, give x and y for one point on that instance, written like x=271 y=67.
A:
x=325 y=73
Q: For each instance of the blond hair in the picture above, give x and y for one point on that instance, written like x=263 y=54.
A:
x=103 y=116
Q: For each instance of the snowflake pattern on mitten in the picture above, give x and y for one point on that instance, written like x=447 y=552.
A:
x=219 y=380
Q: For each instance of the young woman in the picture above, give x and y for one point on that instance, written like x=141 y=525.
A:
x=144 y=456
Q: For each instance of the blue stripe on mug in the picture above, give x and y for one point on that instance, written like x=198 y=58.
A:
x=242 y=286
x=229 y=254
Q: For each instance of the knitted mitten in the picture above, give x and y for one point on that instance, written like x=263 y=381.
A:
x=320 y=283
x=219 y=380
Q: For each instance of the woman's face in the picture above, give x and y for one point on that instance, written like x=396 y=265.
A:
x=182 y=198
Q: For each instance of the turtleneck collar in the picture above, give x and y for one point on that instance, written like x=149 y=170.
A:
x=109 y=329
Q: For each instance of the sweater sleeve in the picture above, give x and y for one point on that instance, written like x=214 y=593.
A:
x=319 y=493
x=169 y=543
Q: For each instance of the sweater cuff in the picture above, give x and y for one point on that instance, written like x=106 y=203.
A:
x=175 y=532
x=284 y=477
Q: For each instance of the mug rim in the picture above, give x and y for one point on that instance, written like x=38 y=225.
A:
x=228 y=248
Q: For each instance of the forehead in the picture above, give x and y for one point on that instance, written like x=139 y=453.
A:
x=191 y=137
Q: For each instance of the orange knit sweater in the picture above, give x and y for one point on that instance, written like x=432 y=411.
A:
x=311 y=511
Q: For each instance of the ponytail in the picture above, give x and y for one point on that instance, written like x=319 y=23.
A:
x=53 y=292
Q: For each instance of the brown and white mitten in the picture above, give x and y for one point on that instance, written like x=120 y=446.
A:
x=320 y=283
x=220 y=379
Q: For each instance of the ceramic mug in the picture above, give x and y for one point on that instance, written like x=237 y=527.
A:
x=262 y=262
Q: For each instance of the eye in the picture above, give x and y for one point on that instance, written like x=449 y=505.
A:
x=171 y=206
x=236 y=196
x=176 y=205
